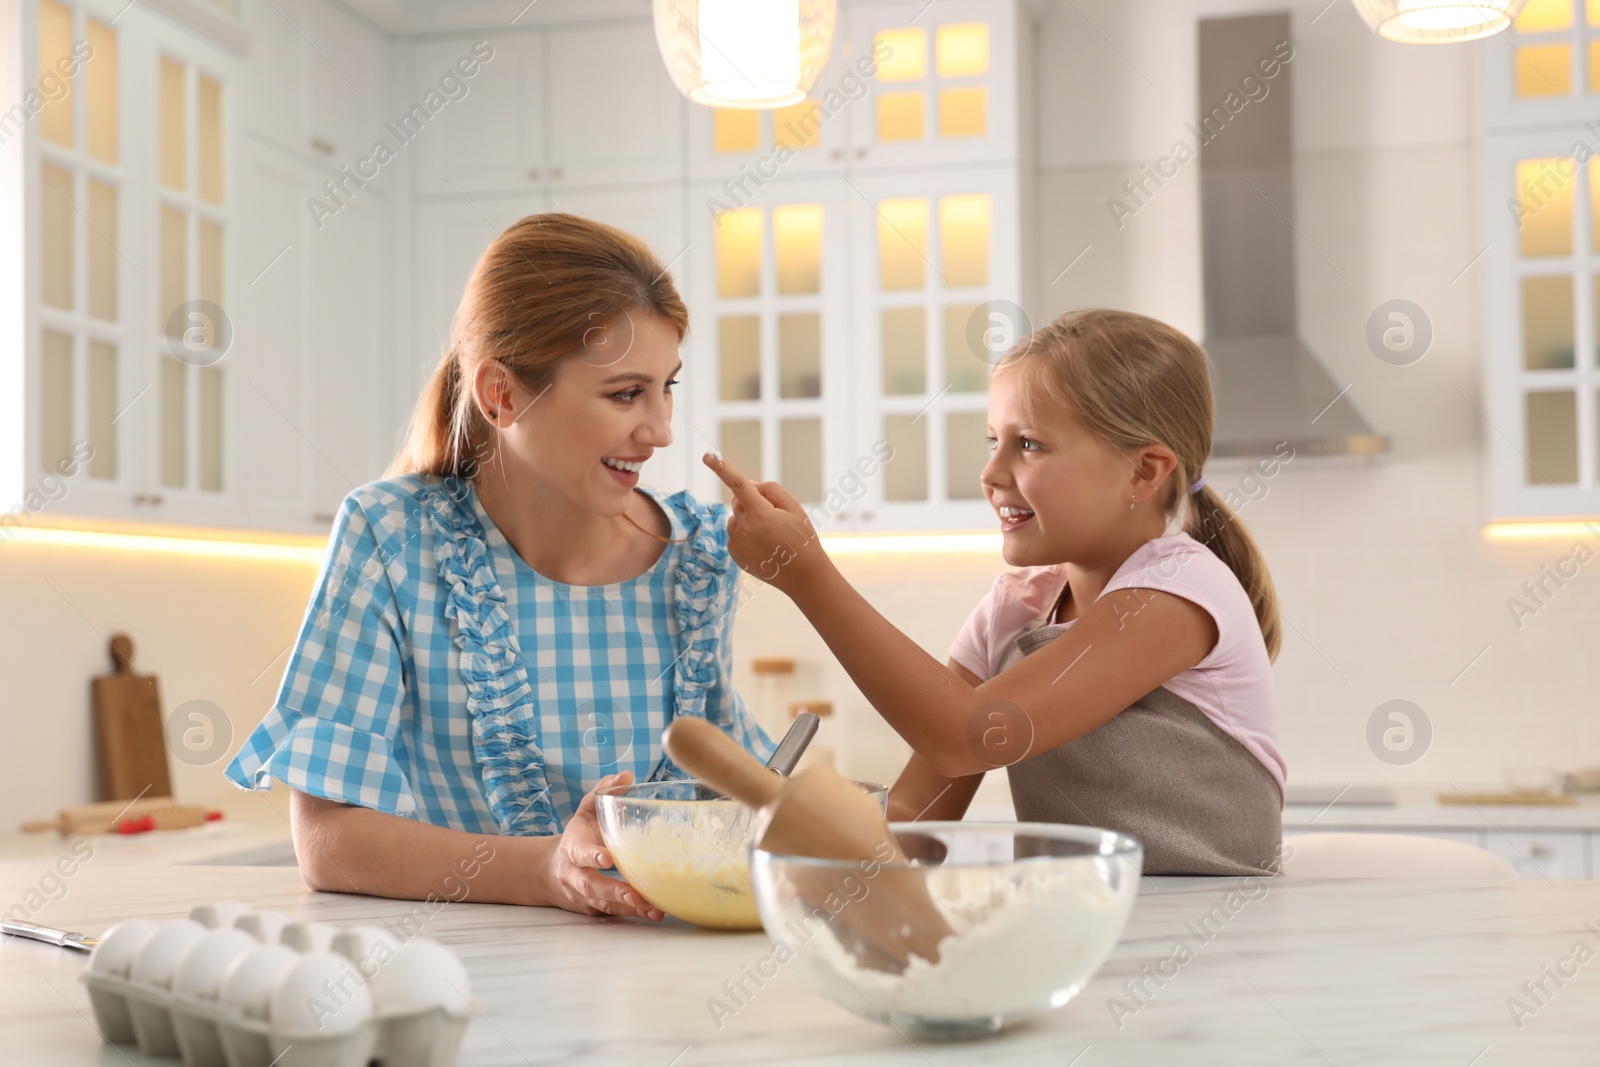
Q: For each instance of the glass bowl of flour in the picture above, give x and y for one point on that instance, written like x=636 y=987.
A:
x=1034 y=909
x=686 y=848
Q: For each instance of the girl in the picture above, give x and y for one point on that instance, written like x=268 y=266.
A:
x=1122 y=674
x=508 y=616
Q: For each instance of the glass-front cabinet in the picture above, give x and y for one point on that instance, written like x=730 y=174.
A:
x=1543 y=257
x=855 y=263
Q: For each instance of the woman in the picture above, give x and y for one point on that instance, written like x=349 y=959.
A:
x=508 y=621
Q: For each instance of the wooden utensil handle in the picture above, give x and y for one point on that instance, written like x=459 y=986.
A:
x=711 y=755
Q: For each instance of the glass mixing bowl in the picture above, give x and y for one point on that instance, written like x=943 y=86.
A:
x=1035 y=909
x=686 y=848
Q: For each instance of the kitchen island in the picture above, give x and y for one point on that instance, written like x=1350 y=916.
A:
x=1278 y=971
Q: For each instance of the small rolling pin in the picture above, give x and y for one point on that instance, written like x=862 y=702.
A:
x=125 y=816
x=817 y=812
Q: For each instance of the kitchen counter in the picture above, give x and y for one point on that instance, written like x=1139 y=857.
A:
x=1419 y=807
x=1293 y=972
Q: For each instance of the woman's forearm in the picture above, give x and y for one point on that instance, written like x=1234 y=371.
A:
x=346 y=849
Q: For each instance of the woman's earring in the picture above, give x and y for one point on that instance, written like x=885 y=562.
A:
x=1130 y=503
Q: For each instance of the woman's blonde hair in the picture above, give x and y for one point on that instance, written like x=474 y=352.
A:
x=1136 y=381
x=537 y=292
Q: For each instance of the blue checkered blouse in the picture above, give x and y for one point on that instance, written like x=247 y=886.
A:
x=439 y=677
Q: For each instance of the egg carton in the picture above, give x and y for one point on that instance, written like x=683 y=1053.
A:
x=230 y=986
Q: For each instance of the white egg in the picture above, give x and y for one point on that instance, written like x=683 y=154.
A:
x=423 y=974
x=264 y=926
x=308 y=937
x=158 y=957
x=320 y=994
x=222 y=914
x=118 y=946
x=247 y=985
x=365 y=946
x=201 y=969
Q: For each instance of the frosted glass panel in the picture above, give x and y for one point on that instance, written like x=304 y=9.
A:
x=174 y=422
x=800 y=354
x=739 y=356
x=102 y=250
x=56 y=217
x=966 y=443
x=963 y=369
x=739 y=252
x=102 y=409
x=797 y=244
x=964 y=239
x=1547 y=322
x=211 y=429
x=55 y=45
x=100 y=92
x=208 y=139
x=961 y=49
x=1544 y=70
x=735 y=129
x=1552 y=438
x=740 y=441
x=900 y=117
x=210 y=265
x=1542 y=16
x=174 y=136
x=800 y=458
x=963 y=112
x=905 y=346
x=902 y=243
x=906 y=478
x=55 y=398
x=1544 y=187
x=903 y=54
x=798 y=125
x=174 y=264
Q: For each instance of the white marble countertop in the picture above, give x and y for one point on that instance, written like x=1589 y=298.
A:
x=1305 y=972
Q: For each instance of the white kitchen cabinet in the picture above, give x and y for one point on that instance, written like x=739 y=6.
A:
x=491 y=140
x=612 y=114
x=309 y=346
x=945 y=87
x=1552 y=854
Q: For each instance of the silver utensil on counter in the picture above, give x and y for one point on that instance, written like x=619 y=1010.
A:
x=64 y=938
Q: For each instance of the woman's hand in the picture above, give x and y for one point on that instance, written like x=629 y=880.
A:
x=574 y=877
x=769 y=533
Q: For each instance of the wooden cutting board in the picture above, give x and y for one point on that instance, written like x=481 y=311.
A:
x=129 y=736
x=125 y=816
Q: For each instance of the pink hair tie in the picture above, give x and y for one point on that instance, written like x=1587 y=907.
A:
x=1199 y=484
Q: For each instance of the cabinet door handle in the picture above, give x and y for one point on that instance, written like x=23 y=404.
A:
x=556 y=172
x=861 y=153
x=147 y=498
x=1537 y=851
x=322 y=518
x=322 y=147
x=837 y=154
x=533 y=174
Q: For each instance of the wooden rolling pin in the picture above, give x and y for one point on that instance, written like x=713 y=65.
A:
x=124 y=816
x=817 y=812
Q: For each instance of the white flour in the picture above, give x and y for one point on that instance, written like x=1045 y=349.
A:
x=1019 y=942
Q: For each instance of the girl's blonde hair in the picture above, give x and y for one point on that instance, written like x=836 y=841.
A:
x=536 y=294
x=1136 y=381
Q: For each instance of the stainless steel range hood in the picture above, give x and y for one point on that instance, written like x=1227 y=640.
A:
x=1269 y=386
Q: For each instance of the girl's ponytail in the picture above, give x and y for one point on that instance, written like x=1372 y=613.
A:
x=1211 y=522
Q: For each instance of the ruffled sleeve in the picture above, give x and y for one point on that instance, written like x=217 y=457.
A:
x=500 y=699
x=705 y=602
x=334 y=729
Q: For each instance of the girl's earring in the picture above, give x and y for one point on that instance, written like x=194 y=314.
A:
x=1130 y=503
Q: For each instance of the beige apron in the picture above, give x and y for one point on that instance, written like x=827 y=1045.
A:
x=1162 y=771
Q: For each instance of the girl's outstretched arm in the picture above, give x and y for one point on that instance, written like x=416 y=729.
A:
x=1125 y=644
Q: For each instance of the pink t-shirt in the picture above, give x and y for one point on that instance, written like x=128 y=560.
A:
x=1232 y=684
